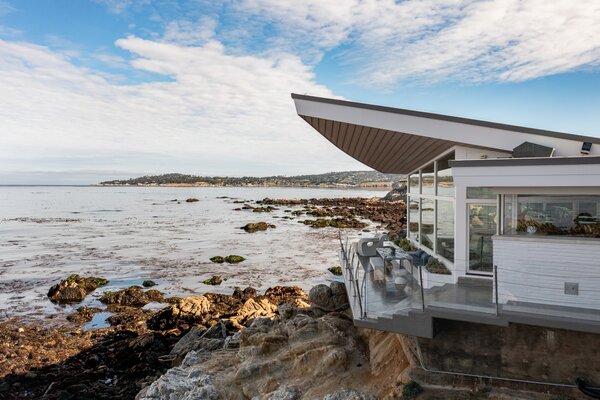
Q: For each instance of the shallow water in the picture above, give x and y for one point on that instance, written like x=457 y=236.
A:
x=130 y=234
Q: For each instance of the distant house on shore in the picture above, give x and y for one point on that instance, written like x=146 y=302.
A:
x=503 y=221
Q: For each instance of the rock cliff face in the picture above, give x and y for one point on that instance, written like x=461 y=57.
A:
x=306 y=353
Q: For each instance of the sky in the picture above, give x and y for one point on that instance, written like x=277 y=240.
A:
x=103 y=89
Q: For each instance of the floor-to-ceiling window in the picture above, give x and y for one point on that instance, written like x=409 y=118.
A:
x=431 y=204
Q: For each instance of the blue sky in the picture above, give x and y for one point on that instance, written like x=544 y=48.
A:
x=95 y=89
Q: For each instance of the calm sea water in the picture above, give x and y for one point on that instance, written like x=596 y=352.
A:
x=128 y=235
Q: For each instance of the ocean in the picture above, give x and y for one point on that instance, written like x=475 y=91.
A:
x=131 y=234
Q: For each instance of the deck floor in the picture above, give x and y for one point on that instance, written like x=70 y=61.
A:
x=398 y=292
x=394 y=290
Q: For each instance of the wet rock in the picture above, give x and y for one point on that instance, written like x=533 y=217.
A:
x=263 y=209
x=244 y=294
x=234 y=259
x=257 y=226
x=133 y=296
x=83 y=314
x=74 y=289
x=337 y=270
x=191 y=200
x=217 y=259
x=213 y=280
x=338 y=222
x=148 y=283
x=130 y=318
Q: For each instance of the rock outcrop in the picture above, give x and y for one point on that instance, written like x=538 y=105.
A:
x=299 y=353
x=257 y=226
x=74 y=289
x=237 y=310
x=133 y=296
x=391 y=214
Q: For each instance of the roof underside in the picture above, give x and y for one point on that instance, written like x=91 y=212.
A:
x=383 y=150
x=400 y=141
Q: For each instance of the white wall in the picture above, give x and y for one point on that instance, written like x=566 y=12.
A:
x=583 y=175
x=534 y=270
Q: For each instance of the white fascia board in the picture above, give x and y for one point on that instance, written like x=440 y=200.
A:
x=529 y=176
x=471 y=135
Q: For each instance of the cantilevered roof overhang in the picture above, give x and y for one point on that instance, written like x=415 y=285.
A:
x=393 y=140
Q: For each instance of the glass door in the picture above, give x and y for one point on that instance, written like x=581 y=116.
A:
x=482 y=226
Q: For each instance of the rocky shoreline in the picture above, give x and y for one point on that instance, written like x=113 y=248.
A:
x=309 y=335
x=283 y=344
x=66 y=362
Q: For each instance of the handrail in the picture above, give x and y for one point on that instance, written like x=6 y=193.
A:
x=348 y=265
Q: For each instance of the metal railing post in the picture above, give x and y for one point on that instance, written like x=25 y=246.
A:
x=366 y=280
x=422 y=290
x=496 y=288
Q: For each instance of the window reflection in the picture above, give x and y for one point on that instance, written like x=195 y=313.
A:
x=445 y=181
x=427 y=180
x=558 y=215
x=445 y=229
x=427 y=223
x=413 y=183
x=413 y=229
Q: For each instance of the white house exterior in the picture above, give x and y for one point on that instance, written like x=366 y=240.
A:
x=512 y=212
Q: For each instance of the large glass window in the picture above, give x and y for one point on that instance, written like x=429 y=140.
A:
x=557 y=215
x=413 y=183
x=482 y=226
x=445 y=181
x=445 y=229
x=427 y=221
x=427 y=180
x=431 y=207
x=413 y=210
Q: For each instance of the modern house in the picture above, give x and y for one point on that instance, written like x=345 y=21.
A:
x=513 y=213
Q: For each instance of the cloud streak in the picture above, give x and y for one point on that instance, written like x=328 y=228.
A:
x=442 y=40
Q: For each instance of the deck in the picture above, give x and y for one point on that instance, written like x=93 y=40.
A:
x=391 y=298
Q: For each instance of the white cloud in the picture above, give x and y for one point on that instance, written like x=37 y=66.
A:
x=465 y=40
x=215 y=113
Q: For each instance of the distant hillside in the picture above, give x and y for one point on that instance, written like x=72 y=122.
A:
x=330 y=179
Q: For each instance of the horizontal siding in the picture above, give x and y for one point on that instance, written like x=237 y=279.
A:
x=536 y=272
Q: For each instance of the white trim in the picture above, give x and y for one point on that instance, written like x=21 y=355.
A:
x=452 y=131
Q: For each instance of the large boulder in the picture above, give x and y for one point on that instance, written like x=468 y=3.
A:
x=339 y=295
x=198 y=339
x=320 y=296
x=74 y=289
x=195 y=307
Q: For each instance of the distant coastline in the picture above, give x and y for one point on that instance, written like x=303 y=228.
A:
x=346 y=180
x=378 y=185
